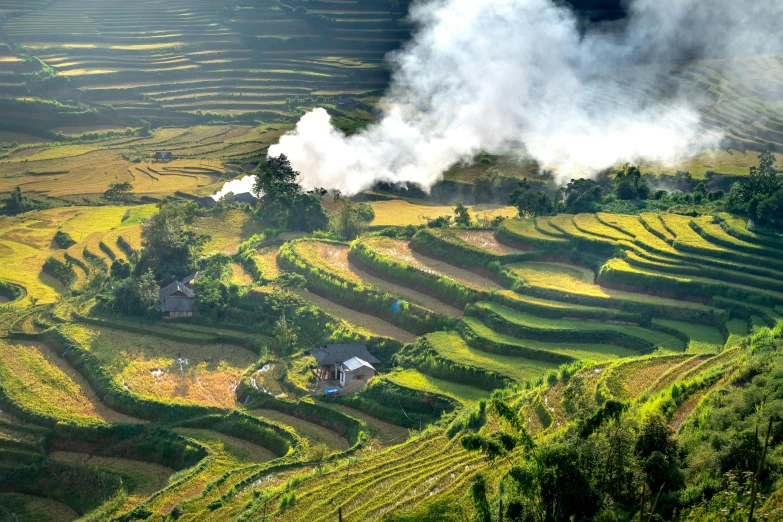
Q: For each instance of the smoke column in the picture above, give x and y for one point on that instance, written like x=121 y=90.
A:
x=500 y=74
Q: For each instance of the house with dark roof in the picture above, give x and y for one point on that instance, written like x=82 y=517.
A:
x=177 y=299
x=246 y=197
x=345 y=363
x=164 y=156
x=206 y=202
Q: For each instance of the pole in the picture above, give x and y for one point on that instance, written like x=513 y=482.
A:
x=656 y=501
x=500 y=510
x=758 y=473
x=340 y=514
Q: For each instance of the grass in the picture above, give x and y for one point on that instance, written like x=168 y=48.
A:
x=416 y=380
x=142 y=479
x=452 y=347
x=227 y=229
x=172 y=371
x=316 y=434
x=703 y=338
x=39 y=509
x=41 y=382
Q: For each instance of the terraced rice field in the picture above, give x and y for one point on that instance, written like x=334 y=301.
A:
x=172 y=371
x=358 y=321
x=416 y=380
x=32 y=507
x=400 y=250
x=334 y=258
x=38 y=381
x=452 y=347
x=400 y=212
x=315 y=434
x=27 y=241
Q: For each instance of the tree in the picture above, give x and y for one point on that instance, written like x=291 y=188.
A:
x=171 y=245
x=120 y=269
x=118 y=191
x=531 y=203
x=286 y=336
x=134 y=296
x=282 y=203
x=16 y=202
x=478 y=494
x=462 y=215
x=582 y=195
x=352 y=220
x=630 y=185
x=770 y=210
x=761 y=183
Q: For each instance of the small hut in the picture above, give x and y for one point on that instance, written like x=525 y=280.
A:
x=164 y=156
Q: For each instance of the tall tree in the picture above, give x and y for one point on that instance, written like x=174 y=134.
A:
x=171 y=246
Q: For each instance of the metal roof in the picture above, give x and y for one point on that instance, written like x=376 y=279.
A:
x=338 y=353
x=355 y=363
x=173 y=288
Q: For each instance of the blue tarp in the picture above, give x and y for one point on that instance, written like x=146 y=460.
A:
x=397 y=306
x=332 y=391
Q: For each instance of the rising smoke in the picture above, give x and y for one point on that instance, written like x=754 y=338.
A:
x=520 y=75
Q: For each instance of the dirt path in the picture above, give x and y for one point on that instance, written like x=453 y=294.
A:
x=367 y=322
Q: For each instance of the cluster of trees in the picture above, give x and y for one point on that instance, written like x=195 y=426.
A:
x=282 y=201
x=760 y=195
x=171 y=250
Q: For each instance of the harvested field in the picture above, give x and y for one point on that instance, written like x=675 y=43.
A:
x=335 y=258
x=486 y=240
x=360 y=321
x=386 y=433
x=400 y=250
x=175 y=371
x=399 y=212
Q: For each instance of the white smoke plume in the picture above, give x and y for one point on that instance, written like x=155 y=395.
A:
x=519 y=74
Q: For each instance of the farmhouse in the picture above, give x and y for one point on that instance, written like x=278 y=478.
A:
x=345 y=363
x=246 y=197
x=177 y=298
x=206 y=202
x=164 y=156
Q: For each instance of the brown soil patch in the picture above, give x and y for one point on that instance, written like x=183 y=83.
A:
x=486 y=240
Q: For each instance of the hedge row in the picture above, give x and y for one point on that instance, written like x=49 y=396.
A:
x=609 y=336
x=400 y=272
x=64 y=272
x=412 y=317
x=491 y=346
x=744 y=310
x=266 y=434
x=254 y=345
x=81 y=487
x=125 y=246
x=106 y=250
x=505 y=234
x=114 y=395
x=63 y=240
x=443 y=244
x=11 y=291
x=423 y=357
x=399 y=405
x=757 y=251
x=708 y=316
